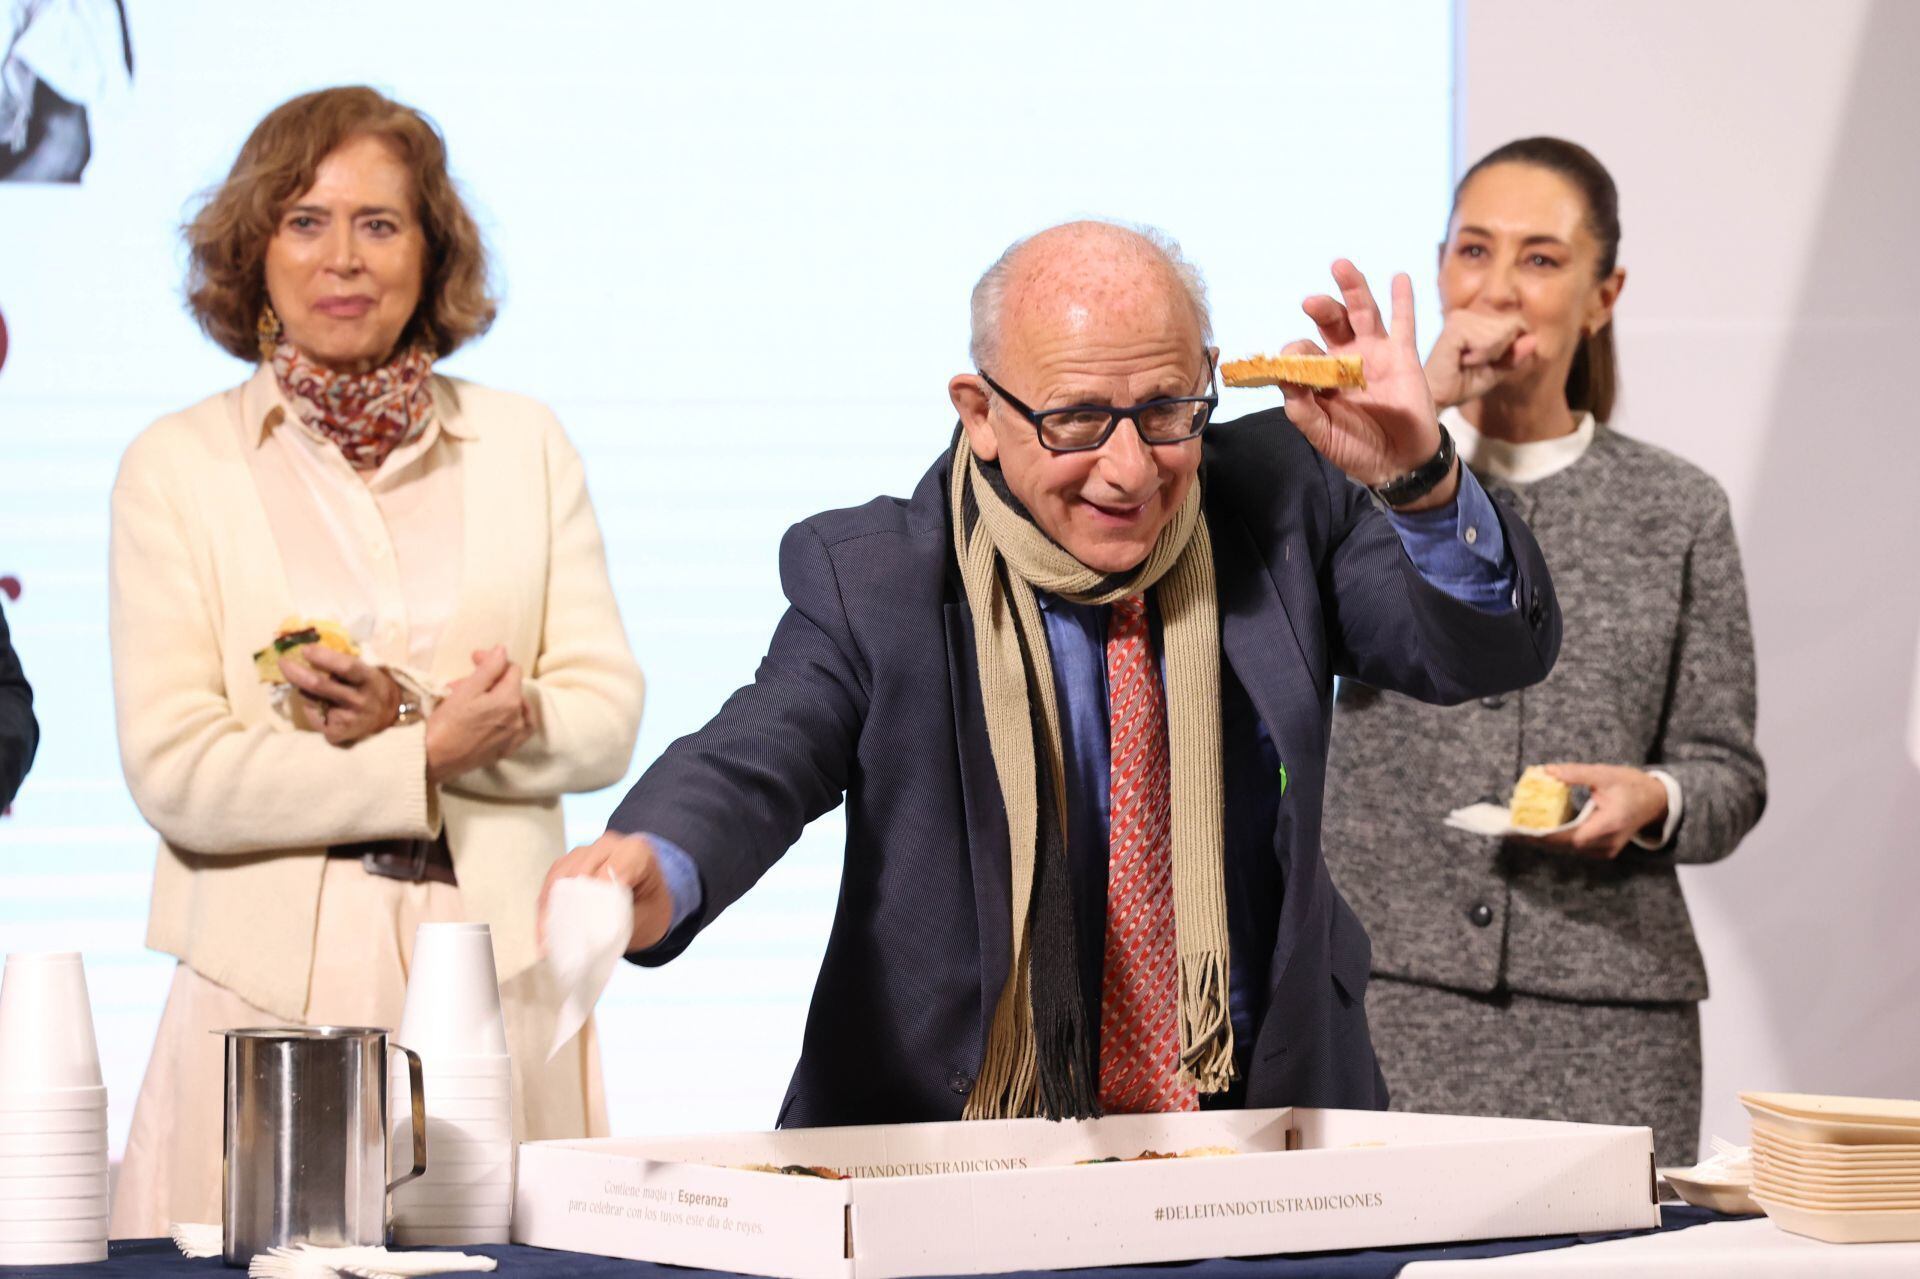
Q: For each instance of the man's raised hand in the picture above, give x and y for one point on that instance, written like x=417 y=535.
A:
x=1389 y=428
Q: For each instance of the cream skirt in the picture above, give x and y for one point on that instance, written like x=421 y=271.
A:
x=363 y=949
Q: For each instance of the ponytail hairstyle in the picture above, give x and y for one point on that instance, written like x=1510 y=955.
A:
x=1593 y=382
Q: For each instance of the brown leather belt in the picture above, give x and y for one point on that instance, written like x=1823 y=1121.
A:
x=409 y=859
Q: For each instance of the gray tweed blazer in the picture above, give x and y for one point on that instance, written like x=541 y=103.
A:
x=1656 y=669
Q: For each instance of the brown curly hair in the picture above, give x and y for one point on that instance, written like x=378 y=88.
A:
x=227 y=238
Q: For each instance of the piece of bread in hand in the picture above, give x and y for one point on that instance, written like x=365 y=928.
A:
x=1541 y=801
x=1326 y=372
x=295 y=635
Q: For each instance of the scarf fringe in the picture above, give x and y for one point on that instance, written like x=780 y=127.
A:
x=1206 y=1030
x=1007 y=1083
x=1068 y=1077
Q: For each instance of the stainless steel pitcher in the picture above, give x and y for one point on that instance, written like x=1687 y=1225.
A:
x=306 y=1138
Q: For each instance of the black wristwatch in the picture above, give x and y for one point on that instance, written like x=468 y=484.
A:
x=1420 y=481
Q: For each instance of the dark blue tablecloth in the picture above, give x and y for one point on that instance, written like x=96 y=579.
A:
x=157 y=1259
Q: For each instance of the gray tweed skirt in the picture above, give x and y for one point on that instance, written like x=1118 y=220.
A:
x=1523 y=1056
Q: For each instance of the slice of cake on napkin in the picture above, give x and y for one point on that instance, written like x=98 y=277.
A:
x=1540 y=801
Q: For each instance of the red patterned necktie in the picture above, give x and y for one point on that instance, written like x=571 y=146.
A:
x=1140 y=991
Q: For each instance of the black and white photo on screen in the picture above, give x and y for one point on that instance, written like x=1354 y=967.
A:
x=66 y=63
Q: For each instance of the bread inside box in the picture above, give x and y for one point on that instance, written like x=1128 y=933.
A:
x=932 y=1149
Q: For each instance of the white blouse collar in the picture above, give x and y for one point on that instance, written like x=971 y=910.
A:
x=1517 y=463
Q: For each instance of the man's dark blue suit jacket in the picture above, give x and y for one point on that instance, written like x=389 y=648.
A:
x=869 y=693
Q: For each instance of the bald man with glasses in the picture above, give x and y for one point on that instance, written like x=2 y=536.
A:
x=1075 y=693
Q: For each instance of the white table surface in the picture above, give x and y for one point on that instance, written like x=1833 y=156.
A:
x=1751 y=1249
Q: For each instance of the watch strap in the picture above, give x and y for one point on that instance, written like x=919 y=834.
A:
x=1420 y=481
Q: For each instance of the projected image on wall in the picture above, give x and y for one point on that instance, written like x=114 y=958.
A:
x=65 y=59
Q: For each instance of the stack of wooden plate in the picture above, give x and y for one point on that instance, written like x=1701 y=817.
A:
x=1842 y=1169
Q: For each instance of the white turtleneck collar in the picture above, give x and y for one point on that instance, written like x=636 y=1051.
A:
x=1517 y=463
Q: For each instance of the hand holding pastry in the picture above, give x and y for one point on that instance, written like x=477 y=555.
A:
x=341 y=696
x=1626 y=801
x=1387 y=428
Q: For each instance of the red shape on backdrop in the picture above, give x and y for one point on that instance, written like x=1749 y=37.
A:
x=10 y=587
x=3 y=340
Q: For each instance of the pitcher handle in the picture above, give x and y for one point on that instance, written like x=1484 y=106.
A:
x=417 y=1093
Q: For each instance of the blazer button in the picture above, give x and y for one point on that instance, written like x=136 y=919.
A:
x=1493 y=703
x=1481 y=915
x=961 y=1082
x=1536 y=611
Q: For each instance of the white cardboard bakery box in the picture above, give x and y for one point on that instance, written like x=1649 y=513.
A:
x=987 y=1197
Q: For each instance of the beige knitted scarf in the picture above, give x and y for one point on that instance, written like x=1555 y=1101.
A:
x=1040 y=1058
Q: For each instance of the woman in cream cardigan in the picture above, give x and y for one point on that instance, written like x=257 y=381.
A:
x=308 y=830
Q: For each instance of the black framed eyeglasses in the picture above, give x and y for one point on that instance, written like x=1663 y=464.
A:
x=1080 y=428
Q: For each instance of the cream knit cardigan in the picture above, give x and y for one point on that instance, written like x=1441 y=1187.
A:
x=244 y=804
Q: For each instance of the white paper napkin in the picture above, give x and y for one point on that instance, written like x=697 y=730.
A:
x=196 y=1238
x=589 y=923
x=1728 y=1164
x=1494 y=819
x=307 y=1261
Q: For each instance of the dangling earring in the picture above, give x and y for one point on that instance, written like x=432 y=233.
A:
x=268 y=330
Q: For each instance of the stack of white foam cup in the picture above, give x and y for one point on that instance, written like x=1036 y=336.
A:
x=53 y=1116
x=452 y=1019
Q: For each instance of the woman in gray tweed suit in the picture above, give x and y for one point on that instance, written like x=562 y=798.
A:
x=1556 y=977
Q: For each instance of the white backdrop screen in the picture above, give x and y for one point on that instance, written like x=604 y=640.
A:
x=734 y=243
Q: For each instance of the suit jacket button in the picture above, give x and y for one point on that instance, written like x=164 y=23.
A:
x=1481 y=915
x=1493 y=703
x=1537 y=611
x=961 y=1082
